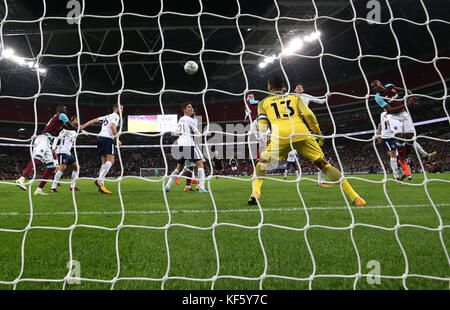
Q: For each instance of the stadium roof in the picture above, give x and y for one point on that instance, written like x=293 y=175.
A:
x=142 y=26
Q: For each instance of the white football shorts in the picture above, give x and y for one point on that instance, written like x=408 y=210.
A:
x=189 y=163
x=43 y=150
x=401 y=123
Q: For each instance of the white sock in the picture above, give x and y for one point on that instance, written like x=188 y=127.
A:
x=100 y=172
x=173 y=176
x=74 y=176
x=297 y=172
x=56 y=179
x=420 y=149
x=285 y=173
x=321 y=177
x=394 y=167
x=39 y=190
x=105 y=171
x=201 y=177
x=22 y=179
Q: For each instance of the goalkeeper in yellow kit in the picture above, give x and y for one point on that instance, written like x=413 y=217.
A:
x=283 y=115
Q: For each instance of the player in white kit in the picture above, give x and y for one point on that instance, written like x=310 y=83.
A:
x=389 y=142
x=66 y=139
x=42 y=152
x=189 y=167
x=291 y=163
x=400 y=121
x=187 y=149
x=300 y=92
x=106 y=143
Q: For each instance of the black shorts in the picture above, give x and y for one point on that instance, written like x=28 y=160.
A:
x=218 y=165
x=291 y=164
x=389 y=144
x=191 y=153
x=105 y=146
x=64 y=159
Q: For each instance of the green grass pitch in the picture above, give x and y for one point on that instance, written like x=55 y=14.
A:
x=143 y=252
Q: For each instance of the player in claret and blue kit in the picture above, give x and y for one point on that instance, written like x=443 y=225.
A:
x=400 y=121
x=42 y=151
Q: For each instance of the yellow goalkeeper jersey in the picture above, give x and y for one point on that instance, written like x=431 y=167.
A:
x=280 y=113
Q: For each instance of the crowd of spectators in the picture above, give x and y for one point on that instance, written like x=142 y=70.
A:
x=355 y=157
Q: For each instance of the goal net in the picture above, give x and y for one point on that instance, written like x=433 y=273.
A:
x=90 y=55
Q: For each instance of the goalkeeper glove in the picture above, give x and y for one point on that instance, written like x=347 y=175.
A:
x=320 y=139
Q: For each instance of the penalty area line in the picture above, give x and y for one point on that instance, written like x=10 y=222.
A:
x=221 y=211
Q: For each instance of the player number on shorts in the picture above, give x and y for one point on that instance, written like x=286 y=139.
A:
x=277 y=111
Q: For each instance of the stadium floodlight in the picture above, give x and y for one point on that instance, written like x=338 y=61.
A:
x=312 y=36
x=293 y=46
x=269 y=60
x=19 y=60
x=296 y=43
x=8 y=53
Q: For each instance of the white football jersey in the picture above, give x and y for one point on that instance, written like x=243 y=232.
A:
x=292 y=155
x=308 y=99
x=386 y=131
x=185 y=129
x=66 y=140
x=106 y=121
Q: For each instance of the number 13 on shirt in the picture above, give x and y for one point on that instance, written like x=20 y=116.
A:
x=287 y=107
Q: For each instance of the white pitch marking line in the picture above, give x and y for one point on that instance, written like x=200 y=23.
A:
x=221 y=211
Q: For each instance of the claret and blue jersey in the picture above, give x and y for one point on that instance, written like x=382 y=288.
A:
x=389 y=92
x=54 y=126
x=380 y=100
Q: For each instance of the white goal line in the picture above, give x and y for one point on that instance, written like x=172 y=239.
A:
x=223 y=211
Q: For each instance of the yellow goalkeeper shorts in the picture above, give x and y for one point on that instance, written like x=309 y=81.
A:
x=308 y=148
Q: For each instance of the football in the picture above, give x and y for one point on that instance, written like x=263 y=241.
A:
x=22 y=132
x=190 y=67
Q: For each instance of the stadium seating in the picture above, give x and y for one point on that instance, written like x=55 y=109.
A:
x=416 y=75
